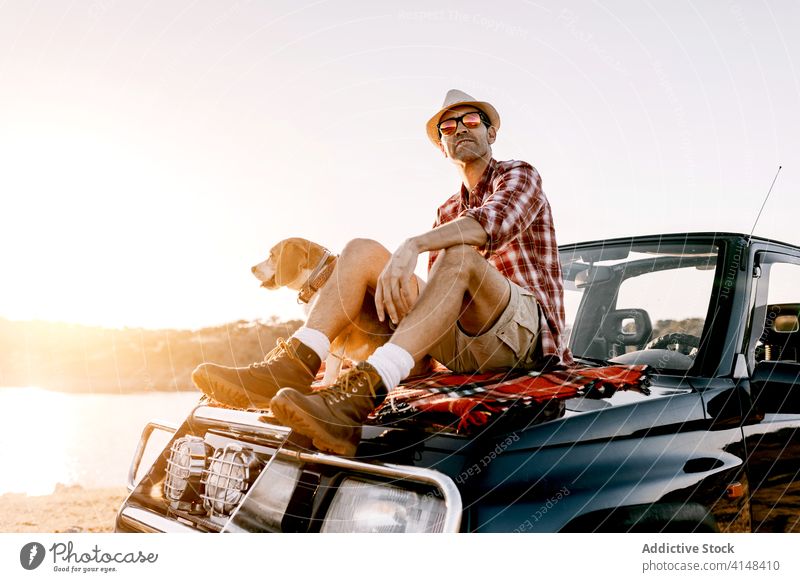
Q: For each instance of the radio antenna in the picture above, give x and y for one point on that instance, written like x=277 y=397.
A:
x=750 y=236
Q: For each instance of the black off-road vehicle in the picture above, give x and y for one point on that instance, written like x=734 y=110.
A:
x=714 y=446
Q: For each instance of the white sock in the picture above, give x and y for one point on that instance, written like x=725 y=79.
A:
x=393 y=364
x=314 y=339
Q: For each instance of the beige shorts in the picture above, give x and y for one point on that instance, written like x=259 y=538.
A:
x=511 y=342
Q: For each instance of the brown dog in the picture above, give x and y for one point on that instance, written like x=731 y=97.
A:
x=305 y=266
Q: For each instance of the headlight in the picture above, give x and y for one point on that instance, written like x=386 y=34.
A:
x=376 y=508
x=185 y=465
x=229 y=474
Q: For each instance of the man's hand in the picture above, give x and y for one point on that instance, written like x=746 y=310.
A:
x=396 y=288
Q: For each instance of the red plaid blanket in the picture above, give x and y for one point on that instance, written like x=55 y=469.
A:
x=466 y=401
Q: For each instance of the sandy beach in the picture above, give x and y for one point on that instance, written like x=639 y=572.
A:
x=70 y=509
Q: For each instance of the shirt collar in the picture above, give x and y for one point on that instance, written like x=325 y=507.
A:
x=476 y=195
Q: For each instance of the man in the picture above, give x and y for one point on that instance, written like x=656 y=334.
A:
x=494 y=299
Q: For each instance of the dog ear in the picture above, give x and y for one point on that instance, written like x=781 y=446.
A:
x=304 y=255
x=290 y=261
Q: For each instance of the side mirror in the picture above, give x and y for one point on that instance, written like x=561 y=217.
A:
x=775 y=387
x=629 y=327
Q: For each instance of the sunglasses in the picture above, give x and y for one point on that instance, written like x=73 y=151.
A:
x=469 y=120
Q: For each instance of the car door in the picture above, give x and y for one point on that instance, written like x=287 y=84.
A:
x=772 y=425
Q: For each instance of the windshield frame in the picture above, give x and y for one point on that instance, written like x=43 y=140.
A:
x=717 y=316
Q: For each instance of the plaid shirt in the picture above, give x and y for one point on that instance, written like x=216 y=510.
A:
x=510 y=205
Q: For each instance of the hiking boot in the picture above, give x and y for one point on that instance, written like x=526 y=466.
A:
x=332 y=417
x=291 y=364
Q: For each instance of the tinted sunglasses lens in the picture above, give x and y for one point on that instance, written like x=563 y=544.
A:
x=448 y=127
x=471 y=120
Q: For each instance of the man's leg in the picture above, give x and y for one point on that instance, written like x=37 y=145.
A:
x=340 y=300
x=295 y=363
x=463 y=287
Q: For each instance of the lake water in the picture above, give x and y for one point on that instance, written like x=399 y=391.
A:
x=76 y=439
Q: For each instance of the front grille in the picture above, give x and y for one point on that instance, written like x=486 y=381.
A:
x=234 y=493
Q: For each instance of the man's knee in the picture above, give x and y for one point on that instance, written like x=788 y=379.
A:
x=458 y=260
x=362 y=247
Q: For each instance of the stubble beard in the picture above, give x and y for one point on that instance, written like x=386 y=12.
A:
x=468 y=152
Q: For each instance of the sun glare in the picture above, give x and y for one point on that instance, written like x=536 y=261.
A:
x=79 y=221
x=35 y=452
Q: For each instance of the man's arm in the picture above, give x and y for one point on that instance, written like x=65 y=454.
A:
x=465 y=230
x=515 y=201
x=393 y=292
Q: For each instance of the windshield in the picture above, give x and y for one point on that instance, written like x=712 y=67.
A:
x=638 y=303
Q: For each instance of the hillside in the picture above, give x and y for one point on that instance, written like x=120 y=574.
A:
x=76 y=358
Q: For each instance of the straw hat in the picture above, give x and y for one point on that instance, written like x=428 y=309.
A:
x=454 y=98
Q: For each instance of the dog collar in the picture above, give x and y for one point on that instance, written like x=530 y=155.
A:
x=318 y=277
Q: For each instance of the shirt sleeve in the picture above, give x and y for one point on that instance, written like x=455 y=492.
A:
x=515 y=201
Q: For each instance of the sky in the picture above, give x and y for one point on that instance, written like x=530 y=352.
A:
x=152 y=152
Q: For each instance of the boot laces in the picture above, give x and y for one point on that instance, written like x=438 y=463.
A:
x=281 y=347
x=348 y=385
